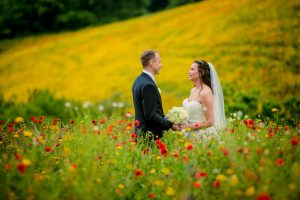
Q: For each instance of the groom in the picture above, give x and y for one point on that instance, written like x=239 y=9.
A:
x=147 y=100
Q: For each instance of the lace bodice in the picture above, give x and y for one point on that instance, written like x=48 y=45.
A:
x=195 y=111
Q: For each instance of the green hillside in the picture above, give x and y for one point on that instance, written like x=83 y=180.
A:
x=254 y=45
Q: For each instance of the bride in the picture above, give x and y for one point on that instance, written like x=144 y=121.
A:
x=205 y=104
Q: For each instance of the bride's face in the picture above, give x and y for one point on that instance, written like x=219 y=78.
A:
x=193 y=72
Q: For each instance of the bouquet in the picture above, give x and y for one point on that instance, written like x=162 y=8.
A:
x=177 y=115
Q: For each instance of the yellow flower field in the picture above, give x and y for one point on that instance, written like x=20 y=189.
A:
x=253 y=45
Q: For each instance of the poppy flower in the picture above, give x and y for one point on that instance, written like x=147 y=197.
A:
x=72 y=121
x=263 y=196
x=22 y=167
x=103 y=121
x=7 y=166
x=200 y=174
x=217 y=183
x=18 y=157
x=279 y=162
x=151 y=195
x=138 y=172
x=189 y=147
x=133 y=135
x=295 y=141
x=137 y=122
x=197 y=185
x=48 y=149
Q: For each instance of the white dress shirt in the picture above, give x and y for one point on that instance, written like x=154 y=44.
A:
x=151 y=75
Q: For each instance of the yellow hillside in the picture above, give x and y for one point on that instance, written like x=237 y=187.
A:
x=253 y=44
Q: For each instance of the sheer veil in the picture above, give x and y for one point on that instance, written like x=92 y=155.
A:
x=218 y=106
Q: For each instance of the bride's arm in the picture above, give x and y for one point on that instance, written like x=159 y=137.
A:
x=207 y=103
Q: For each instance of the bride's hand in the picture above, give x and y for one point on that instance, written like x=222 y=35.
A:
x=183 y=126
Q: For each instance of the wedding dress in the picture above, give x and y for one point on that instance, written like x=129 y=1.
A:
x=196 y=115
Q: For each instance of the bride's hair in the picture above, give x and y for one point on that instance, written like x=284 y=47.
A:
x=203 y=69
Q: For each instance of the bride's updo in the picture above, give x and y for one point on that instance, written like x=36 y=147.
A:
x=203 y=69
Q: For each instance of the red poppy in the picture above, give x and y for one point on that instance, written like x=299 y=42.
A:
x=295 y=141
x=40 y=121
x=176 y=155
x=151 y=195
x=32 y=118
x=137 y=122
x=279 y=162
x=7 y=166
x=164 y=152
x=115 y=137
x=232 y=130
x=22 y=167
x=94 y=122
x=200 y=174
x=226 y=152
x=10 y=124
x=259 y=151
x=189 y=147
x=54 y=123
x=217 y=183
x=103 y=120
x=186 y=158
x=263 y=196
x=18 y=157
x=72 y=121
x=133 y=135
x=100 y=157
x=138 y=172
x=41 y=117
x=1 y=122
x=240 y=150
x=48 y=149
x=197 y=185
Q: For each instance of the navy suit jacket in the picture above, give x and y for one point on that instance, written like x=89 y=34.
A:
x=148 y=107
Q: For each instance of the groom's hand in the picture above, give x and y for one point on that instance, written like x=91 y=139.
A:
x=175 y=127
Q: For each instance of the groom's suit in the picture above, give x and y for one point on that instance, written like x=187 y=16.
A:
x=148 y=106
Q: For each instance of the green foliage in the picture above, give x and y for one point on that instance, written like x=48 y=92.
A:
x=292 y=108
x=43 y=102
x=75 y=19
x=23 y=17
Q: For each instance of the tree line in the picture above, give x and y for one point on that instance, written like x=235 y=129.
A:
x=24 y=17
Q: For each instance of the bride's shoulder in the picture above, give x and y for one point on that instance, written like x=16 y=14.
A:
x=206 y=90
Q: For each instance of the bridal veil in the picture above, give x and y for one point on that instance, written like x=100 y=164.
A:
x=218 y=106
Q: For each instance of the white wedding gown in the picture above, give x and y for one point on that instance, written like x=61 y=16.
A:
x=195 y=115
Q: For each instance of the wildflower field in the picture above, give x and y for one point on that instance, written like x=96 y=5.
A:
x=43 y=158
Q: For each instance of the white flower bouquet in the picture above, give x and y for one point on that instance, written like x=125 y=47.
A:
x=177 y=115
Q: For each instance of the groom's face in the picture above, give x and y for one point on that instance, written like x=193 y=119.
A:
x=156 y=64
